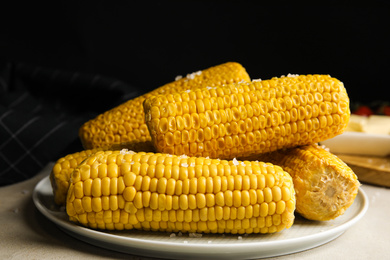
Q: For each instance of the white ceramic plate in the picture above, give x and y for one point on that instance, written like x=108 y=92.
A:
x=358 y=143
x=301 y=236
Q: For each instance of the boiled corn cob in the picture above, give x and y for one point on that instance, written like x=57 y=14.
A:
x=125 y=123
x=325 y=186
x=63 y=167
x=159 y=192
x=242 y=119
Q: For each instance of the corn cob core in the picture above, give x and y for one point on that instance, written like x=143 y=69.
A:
x=325 y=186
x=242 y=119
x=126 y=123
x=159 y=192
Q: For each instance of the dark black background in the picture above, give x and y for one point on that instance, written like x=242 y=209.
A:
x=148 y=43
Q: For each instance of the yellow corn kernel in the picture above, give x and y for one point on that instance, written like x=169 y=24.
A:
x=325 y=186
x=180 y=202
x=126 y=123
x=261 y=116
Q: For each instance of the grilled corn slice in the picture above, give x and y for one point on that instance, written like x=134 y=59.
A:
x=325 y=186
x=125 y=123
x=159 y=192
x=242 y=119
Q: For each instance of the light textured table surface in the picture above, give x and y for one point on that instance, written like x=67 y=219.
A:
x=26 y=234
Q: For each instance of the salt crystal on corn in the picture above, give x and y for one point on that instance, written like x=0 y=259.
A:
x=235 y=162
x=192 y=75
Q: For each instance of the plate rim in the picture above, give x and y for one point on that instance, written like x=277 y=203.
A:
x=141 y=244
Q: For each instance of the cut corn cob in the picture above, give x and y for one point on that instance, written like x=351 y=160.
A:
x=325 y=186
x=125 y=123
x=242 y=119
x=159 y=192
x=63 y=168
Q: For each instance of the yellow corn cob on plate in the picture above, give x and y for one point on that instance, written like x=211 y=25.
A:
x=243 y=119
x=325 y=186
x=159 y=192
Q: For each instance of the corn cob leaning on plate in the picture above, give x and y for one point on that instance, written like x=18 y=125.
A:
x=63 y=167
x=126 y=123
x=325 y=186
x=243 y=119
x=149 y=191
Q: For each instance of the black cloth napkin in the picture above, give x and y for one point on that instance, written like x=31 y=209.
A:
x=41 y=111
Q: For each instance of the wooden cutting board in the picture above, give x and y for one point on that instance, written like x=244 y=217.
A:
x=369 y=169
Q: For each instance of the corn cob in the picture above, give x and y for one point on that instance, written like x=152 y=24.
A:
x=125 y=123
x=325 y=186
x=159 y=192
x=242 y=119
x=63 y=167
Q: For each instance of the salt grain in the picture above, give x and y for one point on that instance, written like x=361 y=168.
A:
x=126 y=151
x=178 y=77
x=235 y=162
x=193 y=75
